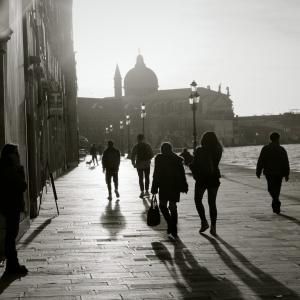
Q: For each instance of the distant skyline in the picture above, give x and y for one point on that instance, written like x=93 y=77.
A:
x=251 y=46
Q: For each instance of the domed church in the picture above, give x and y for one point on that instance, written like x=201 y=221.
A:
x=140 y=80
x=168 y=112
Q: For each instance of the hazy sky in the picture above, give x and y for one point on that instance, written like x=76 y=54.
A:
x=252 y=46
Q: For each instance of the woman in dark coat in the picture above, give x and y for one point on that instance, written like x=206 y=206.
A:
x=12 y=186
x=205 y=169
x=169 y=180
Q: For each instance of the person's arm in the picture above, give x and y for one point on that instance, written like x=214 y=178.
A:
x=260 y=163
x=104 y=161
x=155 y=179
x=119 y=157
x=286 y=165
x=185 y=186
x=20 y=182
x=133 y=155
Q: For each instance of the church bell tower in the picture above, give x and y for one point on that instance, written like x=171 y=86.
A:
x=118 y=83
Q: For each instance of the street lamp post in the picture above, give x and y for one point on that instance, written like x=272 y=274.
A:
x=106 y=133
x=143 y=116
x=194 y=100
x=121 y=137
x=111 y=130
x=128 y=135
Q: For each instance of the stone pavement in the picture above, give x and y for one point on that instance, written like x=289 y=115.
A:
x=96 y=249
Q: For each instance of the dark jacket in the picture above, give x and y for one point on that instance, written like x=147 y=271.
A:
x=12 y=187
x=205 y=167
x=111 y=159
x=141 y=155
x=169 y=176
x=273 y=160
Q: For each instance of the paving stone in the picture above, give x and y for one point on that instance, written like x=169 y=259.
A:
x=96 y=249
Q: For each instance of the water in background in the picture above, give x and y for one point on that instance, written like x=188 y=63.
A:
x=247 y=156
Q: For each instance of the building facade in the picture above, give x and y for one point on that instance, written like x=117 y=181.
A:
x=255 y=130
x=168 y=113
x=38 y=91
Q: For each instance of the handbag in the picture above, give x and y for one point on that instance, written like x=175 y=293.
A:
x=153 y=215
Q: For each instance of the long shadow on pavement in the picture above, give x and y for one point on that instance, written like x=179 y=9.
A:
x=260 y=282
x=193 y=280
x=6 y=280
x=292 y=219
x=112 y=219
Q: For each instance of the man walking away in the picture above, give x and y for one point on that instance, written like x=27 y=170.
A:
x=93 y=153
x=169 y=181
x=274 y=163
x=110 y=165
x=141 y=156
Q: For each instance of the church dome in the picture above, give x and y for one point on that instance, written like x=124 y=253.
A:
x=140 y=80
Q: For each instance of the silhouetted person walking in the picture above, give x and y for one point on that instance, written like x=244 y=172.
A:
x=141 y=156
x=12 y=187
x=187 y=156
x=169 y=180
x=274 y=163
x=205 y=169
x=93 y=153
x=110 y=164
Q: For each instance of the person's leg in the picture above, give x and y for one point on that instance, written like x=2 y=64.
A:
x=212 y=195
x=108 y=176
x=174 y=217
x=12 y=228
x=147 y=180
x=274 y=187
x=165 y=212
x=141 y=182
x=199 y=192
x=116 y=183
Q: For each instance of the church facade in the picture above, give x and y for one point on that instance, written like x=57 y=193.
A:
x=168 y=112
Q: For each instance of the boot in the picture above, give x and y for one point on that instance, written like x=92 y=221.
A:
x=204 y=226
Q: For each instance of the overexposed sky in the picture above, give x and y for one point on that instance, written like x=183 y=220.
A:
x=251 y=46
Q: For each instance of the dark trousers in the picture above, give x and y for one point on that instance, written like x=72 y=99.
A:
x=12 y=221
x=94 y=158
x=114 y=176
x=169 y=212
x=274 y=187
x=144 y=174
x=211 y=195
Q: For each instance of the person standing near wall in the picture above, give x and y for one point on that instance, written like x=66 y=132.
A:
x=12 y=187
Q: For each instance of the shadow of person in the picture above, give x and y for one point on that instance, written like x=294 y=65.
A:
x=113 y=220
x=292 y=219
x=6 y=279
x=260 y=282
x=193 y=280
